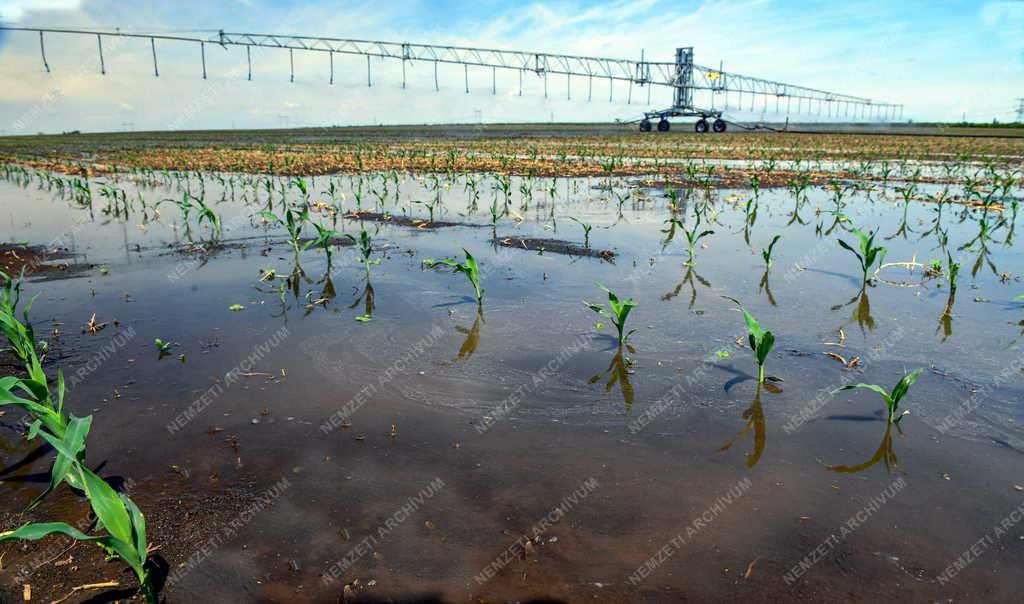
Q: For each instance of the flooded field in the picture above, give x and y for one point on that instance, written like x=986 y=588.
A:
x=307 y=415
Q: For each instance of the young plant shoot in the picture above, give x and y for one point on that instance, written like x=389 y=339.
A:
x=617 y=312
x=869 y=253
x=892 y=399
x=469 y=268
x=760 y=340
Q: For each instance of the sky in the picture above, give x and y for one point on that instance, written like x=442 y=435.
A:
x=942 y=60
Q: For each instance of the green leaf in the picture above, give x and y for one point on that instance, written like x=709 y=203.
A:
x=845 y=245
x=34 y=532
x=107 y=505
x=900 y=390
x=138 y=522
x=873 y=387
x=236 y=307
x=77 y=431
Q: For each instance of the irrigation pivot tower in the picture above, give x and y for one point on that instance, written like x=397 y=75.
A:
x=682 y=75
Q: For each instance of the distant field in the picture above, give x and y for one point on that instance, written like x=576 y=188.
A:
x=527 y=150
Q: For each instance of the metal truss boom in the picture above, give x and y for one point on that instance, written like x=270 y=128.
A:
x=635 y=72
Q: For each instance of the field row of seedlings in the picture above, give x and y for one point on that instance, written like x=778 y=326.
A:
x=585 y=186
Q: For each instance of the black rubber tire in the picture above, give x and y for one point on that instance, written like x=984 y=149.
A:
x=701 y=126
x=718 y=126
x=664 y=126
x=645 y=126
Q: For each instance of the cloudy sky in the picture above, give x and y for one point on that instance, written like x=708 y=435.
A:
x=942 y=60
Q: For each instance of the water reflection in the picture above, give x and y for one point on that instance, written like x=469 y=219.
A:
x=884 y=453
x=366 y=297
x=618 y=372
x=472 y=337
x=754 y=416
x=861 y=313
x=688 y=278
x=766 y=288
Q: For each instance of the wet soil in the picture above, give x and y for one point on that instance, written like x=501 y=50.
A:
x=554 y=246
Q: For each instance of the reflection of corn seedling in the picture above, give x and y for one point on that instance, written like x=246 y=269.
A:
x=767 y=253
x=586 y=230
x=469 y=268
x=892 y=399
x=760 y=340
x=868 y=255
x=619 y=312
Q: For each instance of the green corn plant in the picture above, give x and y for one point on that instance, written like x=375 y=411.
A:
x=693 y=235
x=185 y=207
x=767 y=253
x=618 y=313
x=470 y=268
x=429 y=205
x=761 y=341
x=323 y=239
x=292 y=221
x=869 y=254
x=755 y=183
x=161 y=345
x=892 y=399
x=206 y=214
x=586 y=230
x=494 y=212
x=365 y=243
x=20 y=336
x=116 y=514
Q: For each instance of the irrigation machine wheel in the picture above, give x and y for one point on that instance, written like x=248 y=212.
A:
x=645 y=126
x=664 y=125
x=701 y=126
x=718 y=126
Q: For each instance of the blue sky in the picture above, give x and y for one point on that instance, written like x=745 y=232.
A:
x=941 y=59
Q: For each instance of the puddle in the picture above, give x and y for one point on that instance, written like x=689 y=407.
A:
x=426 y=440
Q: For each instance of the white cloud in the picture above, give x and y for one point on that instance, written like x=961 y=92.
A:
x=15 y=10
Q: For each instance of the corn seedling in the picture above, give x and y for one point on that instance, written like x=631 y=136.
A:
x=470 y=268
x=323 y=239
x=760 y=340
x=892 y=399
x=868 y=255
x=162 y=346
x=429 y=205
x=693 y=235
x=365 y=243
x=586 y=230
x=767 y=253
x=617 y=312
x=115 y=513
x=292 y=221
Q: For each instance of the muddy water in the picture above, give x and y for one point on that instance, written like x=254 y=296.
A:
x=416 y=450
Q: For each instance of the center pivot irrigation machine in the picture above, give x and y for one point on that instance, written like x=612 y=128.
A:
x=682 y=75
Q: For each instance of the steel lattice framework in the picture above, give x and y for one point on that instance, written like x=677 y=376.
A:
x=682 y=75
